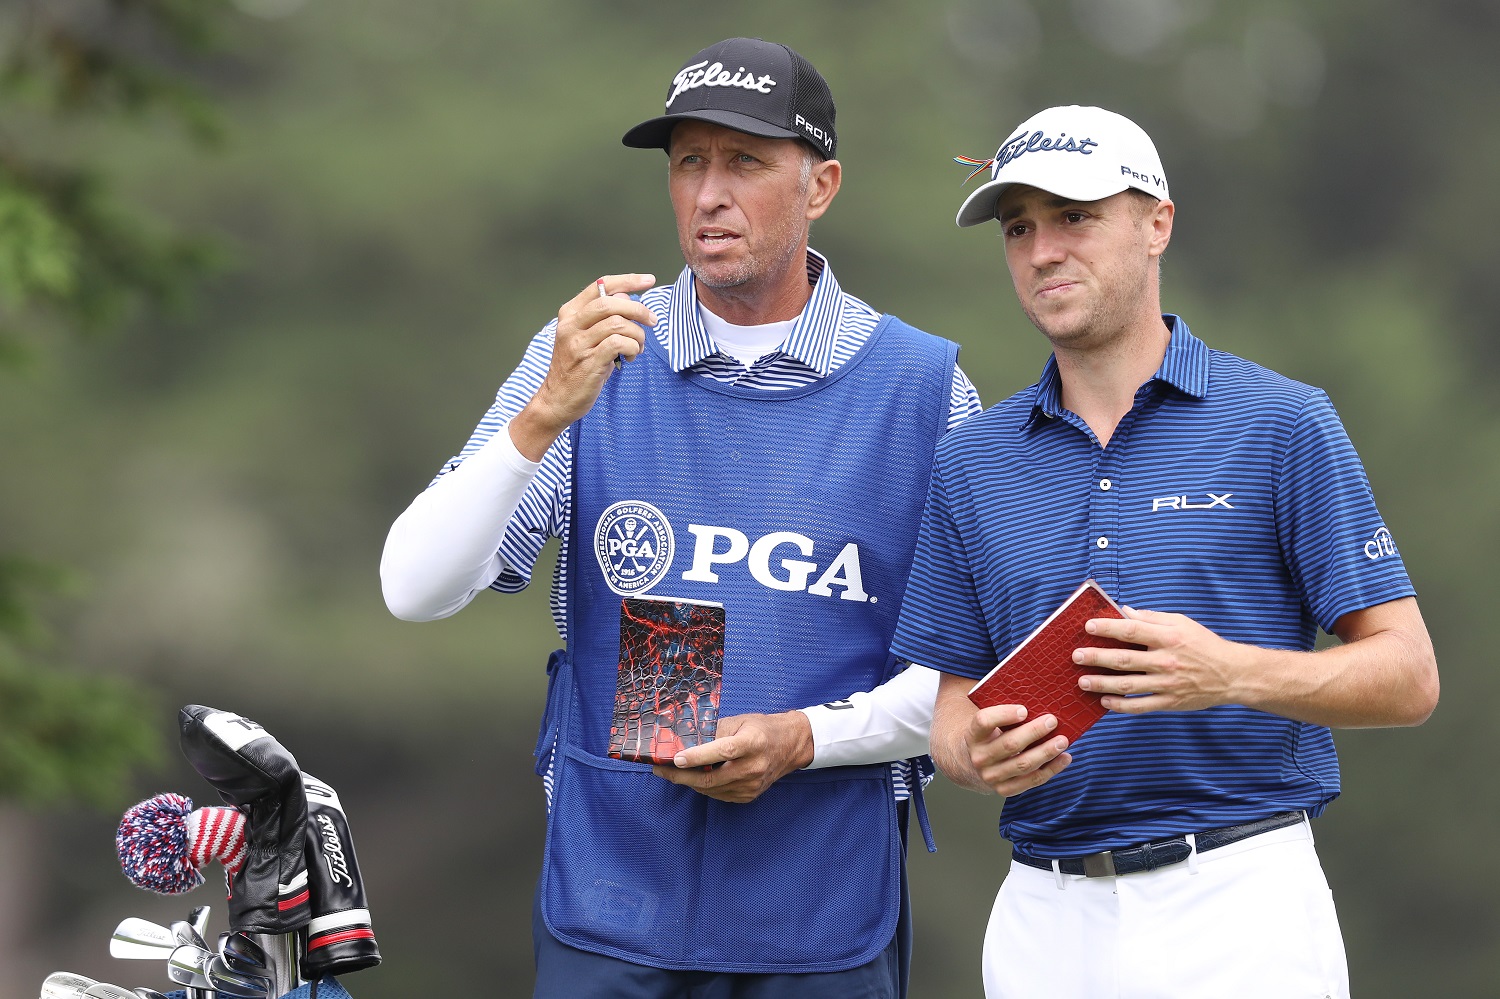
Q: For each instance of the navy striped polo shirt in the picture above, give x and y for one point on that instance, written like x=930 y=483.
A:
x=1228 y=493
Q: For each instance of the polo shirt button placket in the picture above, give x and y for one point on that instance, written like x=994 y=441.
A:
x=1105 y=520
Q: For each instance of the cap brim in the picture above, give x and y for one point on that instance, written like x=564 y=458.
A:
x=656 y=132
x=981 y=205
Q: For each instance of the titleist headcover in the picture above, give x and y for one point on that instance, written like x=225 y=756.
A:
x=339 y=938
x=254 y=772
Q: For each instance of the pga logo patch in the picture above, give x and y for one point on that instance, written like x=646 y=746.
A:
x=633 y=543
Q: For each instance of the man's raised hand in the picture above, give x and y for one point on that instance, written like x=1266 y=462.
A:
x=592 y=330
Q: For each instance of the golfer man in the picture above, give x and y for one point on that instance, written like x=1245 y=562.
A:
x=1168 y=852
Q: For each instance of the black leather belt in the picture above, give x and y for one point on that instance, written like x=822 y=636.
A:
x=1162 y=853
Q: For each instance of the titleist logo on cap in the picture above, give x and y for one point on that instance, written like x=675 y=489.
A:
x=694 y=76
x=1037 y=142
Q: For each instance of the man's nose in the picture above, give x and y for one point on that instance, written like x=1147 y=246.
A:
x=1047 y=247
x=716 y=191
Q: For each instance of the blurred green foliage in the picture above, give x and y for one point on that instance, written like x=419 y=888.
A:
x=410 y=190
x=73 y=259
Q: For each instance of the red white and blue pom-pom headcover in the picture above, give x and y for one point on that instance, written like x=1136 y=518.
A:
x=164 y=843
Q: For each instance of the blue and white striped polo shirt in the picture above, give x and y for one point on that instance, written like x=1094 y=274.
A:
x=1228 y=493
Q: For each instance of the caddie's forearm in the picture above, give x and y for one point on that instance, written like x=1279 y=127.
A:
x=1385 y=674
x=444 y=548
x=951 y=716
x=890 y=722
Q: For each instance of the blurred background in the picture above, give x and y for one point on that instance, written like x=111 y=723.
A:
x=263 y=264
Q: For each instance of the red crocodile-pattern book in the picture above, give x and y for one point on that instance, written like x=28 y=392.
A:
x=1040 y=674
x=671 y=668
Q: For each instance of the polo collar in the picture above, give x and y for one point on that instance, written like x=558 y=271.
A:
x=1184 y=367
x=812 y=338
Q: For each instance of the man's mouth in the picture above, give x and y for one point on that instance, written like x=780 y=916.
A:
x=1055 y=286
x=712 y=237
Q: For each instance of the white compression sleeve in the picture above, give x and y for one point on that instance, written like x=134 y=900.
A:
x=891 y=722
x=445 y=547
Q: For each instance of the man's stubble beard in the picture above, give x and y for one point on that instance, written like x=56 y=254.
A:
x=1100 y=324
x=789 y=233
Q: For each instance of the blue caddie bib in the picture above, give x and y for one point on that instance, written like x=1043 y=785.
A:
x=797 y=511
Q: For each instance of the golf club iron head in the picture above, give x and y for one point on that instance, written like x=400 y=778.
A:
x=185 y=966
x=237 y=985
x=145 y=993
x=243 y=954
x=186 y=933
x=198 y=918
x=64 y=985
x=104 y=990
x=138 y=939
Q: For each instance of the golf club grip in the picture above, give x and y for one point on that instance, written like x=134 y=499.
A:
x=255 y=773
x=339 y=937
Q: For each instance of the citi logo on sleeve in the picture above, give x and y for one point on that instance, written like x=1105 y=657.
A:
x=1184 y=502
x=1381 y=545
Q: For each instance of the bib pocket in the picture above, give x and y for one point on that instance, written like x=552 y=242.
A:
x=805 y=878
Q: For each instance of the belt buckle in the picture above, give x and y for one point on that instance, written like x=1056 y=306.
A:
x=1099 y=865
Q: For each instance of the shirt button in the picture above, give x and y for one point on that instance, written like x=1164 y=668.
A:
x=1105 y=484
x=1102 y=542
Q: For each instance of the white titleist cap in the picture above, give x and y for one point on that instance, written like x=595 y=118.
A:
x=1079 y=153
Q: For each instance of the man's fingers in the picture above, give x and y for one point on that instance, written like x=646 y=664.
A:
x=603 y=312
x=997 y=716
x=624 y=284
x=624 y=342
x=614 y=284
x=1027 y=769
x=1035 y=778
x=1139 y=705
x=707 y=754
x=998 y=743
x=1137 y=632
x=589 y=306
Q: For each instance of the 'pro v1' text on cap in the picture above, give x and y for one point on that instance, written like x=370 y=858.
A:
x=750 y=85
x=1078 y=153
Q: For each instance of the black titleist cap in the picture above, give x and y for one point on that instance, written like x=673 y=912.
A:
x=749 y=85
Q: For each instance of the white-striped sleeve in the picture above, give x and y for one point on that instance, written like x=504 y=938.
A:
x=963 y=401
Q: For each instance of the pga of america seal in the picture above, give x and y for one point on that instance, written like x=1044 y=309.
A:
x=633 y=542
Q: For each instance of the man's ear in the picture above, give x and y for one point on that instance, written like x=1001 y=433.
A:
x=822 y=185
x=1161 y=227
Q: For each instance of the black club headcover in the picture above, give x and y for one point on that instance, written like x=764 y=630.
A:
x=339 y=938
x=254 y=772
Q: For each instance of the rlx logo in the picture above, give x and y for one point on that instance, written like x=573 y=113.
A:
x=1181 y=502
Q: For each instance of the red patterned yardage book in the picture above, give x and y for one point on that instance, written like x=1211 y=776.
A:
x=671 y=666
x=1040 y=674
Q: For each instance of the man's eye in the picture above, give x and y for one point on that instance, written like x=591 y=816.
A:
x=1073 y=216
x=745 y=158
x=1016 y=229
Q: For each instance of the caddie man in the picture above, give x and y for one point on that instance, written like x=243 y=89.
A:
x=765 y=446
